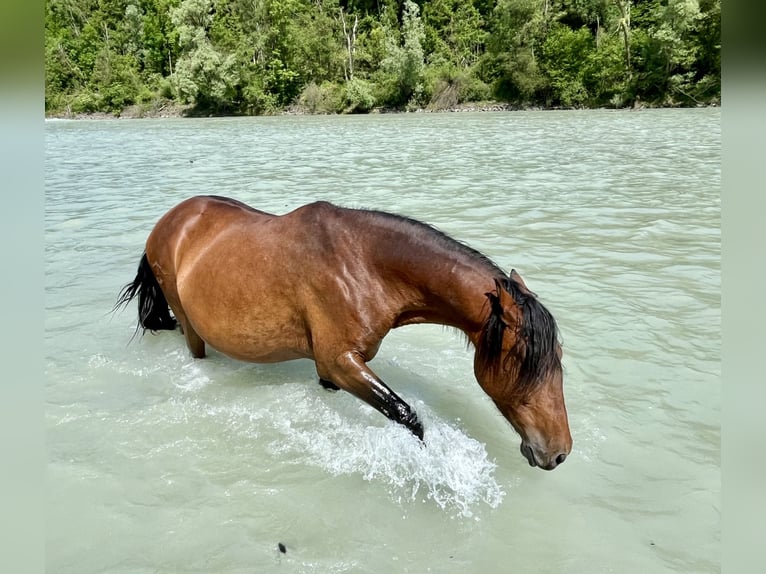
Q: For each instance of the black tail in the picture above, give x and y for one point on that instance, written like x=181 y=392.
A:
x=153 y=311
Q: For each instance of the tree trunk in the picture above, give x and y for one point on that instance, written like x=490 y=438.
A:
x=598 y=32
x=624 y=7
x=350 y=44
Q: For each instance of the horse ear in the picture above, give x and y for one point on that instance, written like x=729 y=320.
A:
x=517 y=279
x=511 y=314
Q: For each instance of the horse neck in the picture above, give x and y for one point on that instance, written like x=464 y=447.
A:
x=446 y=289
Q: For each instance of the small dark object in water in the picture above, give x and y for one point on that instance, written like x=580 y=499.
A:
x=282 y=548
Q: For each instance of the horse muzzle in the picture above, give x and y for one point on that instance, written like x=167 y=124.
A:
x=540 y=460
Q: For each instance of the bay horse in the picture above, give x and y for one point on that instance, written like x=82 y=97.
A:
x=328 y=283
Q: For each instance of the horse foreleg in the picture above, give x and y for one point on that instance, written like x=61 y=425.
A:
x=349 y=372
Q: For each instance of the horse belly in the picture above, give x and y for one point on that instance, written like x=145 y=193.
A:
x=256 y=350
x=255 y=339
x=247 y=320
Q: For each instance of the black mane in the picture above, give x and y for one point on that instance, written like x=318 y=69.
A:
x=536 y=338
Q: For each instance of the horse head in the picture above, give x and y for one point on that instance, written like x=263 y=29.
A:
x=518 y=364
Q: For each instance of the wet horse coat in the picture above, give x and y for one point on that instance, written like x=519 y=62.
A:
x=328 y=283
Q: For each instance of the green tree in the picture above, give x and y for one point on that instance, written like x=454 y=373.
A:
x=159 y=37
x=204 y=75
x=257 y=56
x=72 y=44
x=516 y=32
x=454 y=33
x=565 y=55
x=404 y=63
x=665 y=50
x=707 y=37
x=605 y=77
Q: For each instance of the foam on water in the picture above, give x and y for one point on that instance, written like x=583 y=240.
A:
x=193 y=377
x=452 y=470
x=335 y=432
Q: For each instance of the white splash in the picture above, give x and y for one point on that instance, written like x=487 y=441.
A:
x=191 y=377
x=451 y=469
x=339 y=434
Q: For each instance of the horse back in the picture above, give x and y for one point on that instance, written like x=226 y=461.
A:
x=258 y=286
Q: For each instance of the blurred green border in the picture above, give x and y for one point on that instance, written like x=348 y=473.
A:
x=743 y=424
x=22 y=453
x=22 y=481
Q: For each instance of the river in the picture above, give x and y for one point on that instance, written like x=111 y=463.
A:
x=158 y=462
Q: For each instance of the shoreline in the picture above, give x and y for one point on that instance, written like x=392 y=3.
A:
x=169 y=109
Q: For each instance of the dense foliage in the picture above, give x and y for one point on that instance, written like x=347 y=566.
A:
x=324 y=56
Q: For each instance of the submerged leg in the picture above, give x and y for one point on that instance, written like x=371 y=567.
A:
x=349 y=372
x=193 y=341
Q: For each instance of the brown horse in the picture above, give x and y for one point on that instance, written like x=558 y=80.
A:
x=327 y=283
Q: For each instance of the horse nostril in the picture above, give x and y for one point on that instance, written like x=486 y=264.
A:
x=561 y=458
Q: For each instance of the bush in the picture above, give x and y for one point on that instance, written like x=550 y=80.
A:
x=116 y=80
x=255 y=100
x=518 y=78
x=358 y=96
x=474 y=90
x=115 y=97
x=84 y=102
x=319 y=99
x=448 y=86
x=145 y=95
x=166 y=89
x=444 y=95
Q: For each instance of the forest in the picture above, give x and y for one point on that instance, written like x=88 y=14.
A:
x=251 y=57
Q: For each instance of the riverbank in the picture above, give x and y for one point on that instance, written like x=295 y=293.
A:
x=171 y=109
x=156 y=109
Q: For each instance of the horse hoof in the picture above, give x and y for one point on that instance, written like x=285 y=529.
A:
x=329 y=385
x=415 y=426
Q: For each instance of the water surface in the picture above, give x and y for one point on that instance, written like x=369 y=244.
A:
x=162 y=463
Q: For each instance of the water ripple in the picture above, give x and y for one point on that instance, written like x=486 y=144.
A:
x=611 y=217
